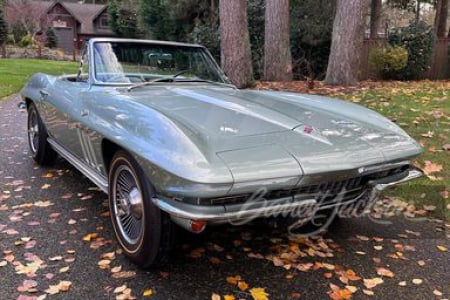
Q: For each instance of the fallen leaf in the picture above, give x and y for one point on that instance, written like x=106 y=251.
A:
x=214 y=260
x=304 y=267
x=259 y=294
x=362 y=238
x=373 y=282
x=43 y=203
x=437 y=293
x=441 y=248
x=402 y=283
x=417 y=281
x=431 y=167
x=55 y=258
x=242 y=285
x=124 y=275
x=429 y=207
x=90 y=236
x=64 y=270
x=233 y=279
x=368 y=292
x=429 y=134
x=108 y=255
x=45 y=186
x=147 y=293
x=215 y=297
x=120 y=289
x=385 y=272
x=62 y=286
x=337 y=293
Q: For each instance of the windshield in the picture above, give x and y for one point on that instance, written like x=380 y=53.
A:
x=132 y=62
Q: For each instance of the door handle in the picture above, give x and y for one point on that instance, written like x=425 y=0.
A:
x=43 y=93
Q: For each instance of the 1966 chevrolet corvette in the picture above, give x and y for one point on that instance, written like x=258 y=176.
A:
x=158 y=127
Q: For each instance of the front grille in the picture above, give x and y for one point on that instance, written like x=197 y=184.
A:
x=324 y=193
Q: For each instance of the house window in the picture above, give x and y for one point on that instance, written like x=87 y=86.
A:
x=103 y=22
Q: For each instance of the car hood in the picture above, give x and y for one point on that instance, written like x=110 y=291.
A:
x=318 y=133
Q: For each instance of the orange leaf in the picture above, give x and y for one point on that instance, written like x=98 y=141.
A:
x=242 y=285
x=233 y=279
x=259 y=294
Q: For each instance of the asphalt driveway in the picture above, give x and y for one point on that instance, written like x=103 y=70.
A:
x=56 y=241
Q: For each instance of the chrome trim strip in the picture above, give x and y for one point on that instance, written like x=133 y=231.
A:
x=96 y=178
x=413 y=174
x=254 y=212
x=261 y=211
x=383 y=167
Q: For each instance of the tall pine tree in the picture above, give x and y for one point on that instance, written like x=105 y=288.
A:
x=347 y=42
x=277 y=47
x=235 y=43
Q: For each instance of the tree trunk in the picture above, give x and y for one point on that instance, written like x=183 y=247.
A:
x=441 y=18
x=347 y=42
x=418 y=7
x=235 y=42
x=375 y=18
x=277 y=47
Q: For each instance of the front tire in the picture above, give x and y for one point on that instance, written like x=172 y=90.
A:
x=40 y=149
x=141 y=229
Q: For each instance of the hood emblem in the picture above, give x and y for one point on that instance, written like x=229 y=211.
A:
x=308 y=129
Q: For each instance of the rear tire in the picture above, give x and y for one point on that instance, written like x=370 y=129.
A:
x=40 y=149
x=142 y=229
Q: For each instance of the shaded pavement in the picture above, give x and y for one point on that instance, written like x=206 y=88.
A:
x=55 y=231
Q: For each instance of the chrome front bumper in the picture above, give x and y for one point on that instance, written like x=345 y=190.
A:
x=223 y=213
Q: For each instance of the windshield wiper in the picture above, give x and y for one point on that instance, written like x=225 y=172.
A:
x=173 y=79
x=210 y=81
x=163 y=79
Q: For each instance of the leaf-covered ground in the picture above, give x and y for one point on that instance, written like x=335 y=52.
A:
x=422 y=109
x=56 y=240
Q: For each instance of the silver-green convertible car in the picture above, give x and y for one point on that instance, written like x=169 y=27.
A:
x=160 y=129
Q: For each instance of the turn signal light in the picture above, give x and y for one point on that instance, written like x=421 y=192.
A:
x=197 y=226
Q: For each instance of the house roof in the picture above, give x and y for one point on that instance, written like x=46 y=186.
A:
x=84 y=13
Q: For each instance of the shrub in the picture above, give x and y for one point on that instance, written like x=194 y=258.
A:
x=10 y=40
x=52 y=39
x=388 y=60
x=18 y=31
x=25 y=41
x=419 y=39
x=207 y=35
x=3 y=28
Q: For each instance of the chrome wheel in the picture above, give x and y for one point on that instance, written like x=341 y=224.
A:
x=33 y=131
x=128 y=204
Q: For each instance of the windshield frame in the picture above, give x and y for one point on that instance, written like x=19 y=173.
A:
x=92 y=72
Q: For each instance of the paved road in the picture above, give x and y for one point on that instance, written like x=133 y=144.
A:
x=45 y=213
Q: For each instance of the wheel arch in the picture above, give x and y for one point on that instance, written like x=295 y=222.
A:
x=109 y=148
x=28 y=102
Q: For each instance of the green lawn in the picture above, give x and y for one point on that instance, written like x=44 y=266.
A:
x=423 y=110
x=15 y=72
